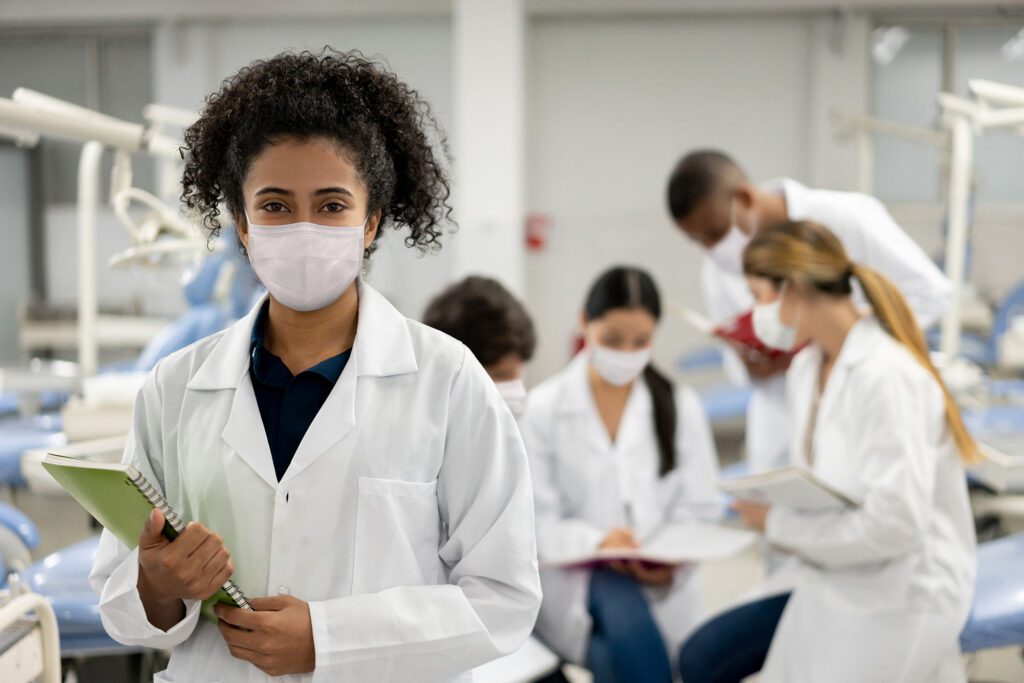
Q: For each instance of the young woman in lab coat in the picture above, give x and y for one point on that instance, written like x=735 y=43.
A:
x=357 y=468
x=882 y=590
x=615 y=450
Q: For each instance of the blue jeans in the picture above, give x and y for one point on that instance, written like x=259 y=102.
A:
x=733 y=645
x=625 y=643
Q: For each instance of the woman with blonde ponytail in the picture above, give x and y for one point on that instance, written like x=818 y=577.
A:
x=881 y=591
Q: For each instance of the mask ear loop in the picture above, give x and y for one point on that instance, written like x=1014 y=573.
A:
x=796 y=318
x=365 y=270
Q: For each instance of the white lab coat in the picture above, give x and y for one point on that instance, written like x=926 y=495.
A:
x=583 y=484
x=871 y=238
x=882 y=591
x=404 y=520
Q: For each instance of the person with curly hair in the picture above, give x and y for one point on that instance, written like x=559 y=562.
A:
x=357 y=468
x=494 y=326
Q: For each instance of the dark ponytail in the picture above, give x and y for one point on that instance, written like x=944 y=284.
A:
x=665 y=419
x=625 y=287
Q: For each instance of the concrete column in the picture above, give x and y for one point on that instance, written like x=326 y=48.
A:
x=488 y=140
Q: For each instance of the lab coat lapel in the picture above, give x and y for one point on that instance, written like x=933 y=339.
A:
x=636 y=421
x=630 y=450
x=578 y=404
x=802 y=386
x=227 y=368
x=245 y=434
x=858 y=344
x=382 y=348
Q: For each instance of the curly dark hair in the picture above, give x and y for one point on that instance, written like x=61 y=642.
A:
x=484 y=316
x=344 y=97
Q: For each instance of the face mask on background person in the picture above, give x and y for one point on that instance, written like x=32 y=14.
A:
x=727 y=254
x=306 y=266
x=619 y=367
x=514 y=393
x=770 y=329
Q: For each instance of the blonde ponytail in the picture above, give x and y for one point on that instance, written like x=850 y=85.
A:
x=895 y=316
x=802 y=251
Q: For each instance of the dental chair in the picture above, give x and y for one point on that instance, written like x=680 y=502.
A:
x=62 y=577
x=205 y=316
x=18 y=538
x=723 y=401
x=985 y=350
x=997 y=615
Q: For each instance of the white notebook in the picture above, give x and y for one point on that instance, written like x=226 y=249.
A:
x=673 y=543
x=793 y=487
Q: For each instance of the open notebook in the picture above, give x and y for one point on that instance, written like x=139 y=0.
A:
x=673 y=543
x=793 y=487
x=121 y=499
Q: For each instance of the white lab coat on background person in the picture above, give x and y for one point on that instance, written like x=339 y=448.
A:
x=405 y=519
x=871 y=237
x=882 y=591
x=725 y=297
x=585 y=485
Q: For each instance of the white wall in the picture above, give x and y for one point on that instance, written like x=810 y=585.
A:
x=612 y=104
x=14 y=233
x=192 y=58
x=153 y=291
x=488 y=42
x=998 y=241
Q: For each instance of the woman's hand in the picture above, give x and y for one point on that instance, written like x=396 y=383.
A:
x=276 y=638
x=619 y=539
x=760 y=365
x=191 y=567
x=754 y=515
x=657 y=575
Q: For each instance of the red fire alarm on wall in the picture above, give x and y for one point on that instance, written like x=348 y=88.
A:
x=538 y=225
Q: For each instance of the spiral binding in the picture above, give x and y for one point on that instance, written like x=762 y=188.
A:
x=160 y=503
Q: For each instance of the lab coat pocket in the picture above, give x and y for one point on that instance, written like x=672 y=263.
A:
x=398 y=534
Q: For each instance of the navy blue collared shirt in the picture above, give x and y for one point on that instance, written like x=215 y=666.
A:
x=288 y=403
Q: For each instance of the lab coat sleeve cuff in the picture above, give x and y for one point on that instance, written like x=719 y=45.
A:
x=568 y=538
x=591 y=537
x=399 y=634
x=319 y=618
x=776 y=523
x=124 y=616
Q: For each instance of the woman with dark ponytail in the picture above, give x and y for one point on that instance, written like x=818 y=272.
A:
x=883 y=589
x=616 y=450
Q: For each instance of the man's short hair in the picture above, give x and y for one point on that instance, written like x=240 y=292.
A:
x=697 y=176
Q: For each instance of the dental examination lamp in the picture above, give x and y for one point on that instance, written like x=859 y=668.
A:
x=47 y=116
x=965 y=119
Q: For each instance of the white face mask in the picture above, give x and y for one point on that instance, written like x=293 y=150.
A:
x=514 y=393
x=769 y=328
x=727 y=254
x=619 y=367
x=306 y=266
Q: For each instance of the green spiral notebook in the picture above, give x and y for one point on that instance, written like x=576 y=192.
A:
x=121 y=499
